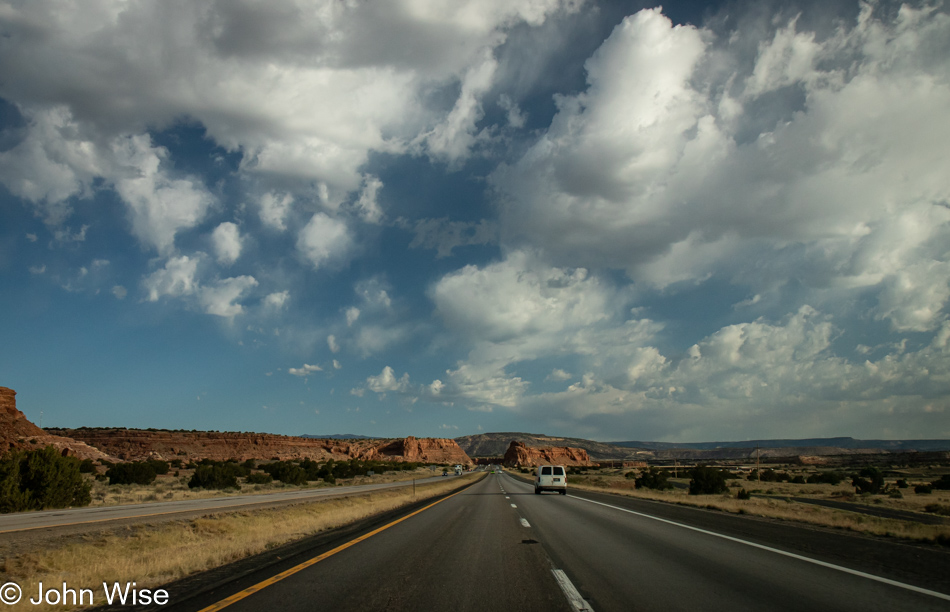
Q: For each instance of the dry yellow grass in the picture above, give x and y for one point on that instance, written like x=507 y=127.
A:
x=155 y=555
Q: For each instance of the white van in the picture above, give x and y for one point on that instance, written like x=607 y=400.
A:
x=550 y=478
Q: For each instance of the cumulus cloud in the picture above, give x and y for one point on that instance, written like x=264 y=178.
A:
x=305 y=370
x=367 y=205
x=175 y=279
x=305 y=93
x=277 y=300
x=781 y=373
x=159 y=206
x=668 y=166
x=221 y=297
x=274 y=209
x=386 y=381
x=227 y=242
x=324 y=240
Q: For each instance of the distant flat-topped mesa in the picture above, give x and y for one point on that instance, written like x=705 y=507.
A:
x=138 y=444
x=520 y=455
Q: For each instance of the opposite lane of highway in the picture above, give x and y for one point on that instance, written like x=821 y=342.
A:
x=22 y=521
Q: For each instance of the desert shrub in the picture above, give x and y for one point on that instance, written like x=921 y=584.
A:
x=923 y=489
x=895 y=494
x=259 y=478
x=706 y=480
x=286 y=471
x=868 y=480
x=160 y=467
x=743 y=494
x=942 y=484
x=86 y=466
x=832 y=478
x=938 y=509
x=797 y=480
x=133 y=472
x=38 y=479
x=217 y=476
x=653 y=478
x=250 y=464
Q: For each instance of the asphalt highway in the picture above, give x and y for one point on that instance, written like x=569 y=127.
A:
x=498 y=546
x=22 y=521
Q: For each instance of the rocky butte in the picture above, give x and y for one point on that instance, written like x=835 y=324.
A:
x=17 y=432
x=521 y=455
x=139 y=444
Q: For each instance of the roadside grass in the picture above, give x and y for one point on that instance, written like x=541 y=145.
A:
x=779 y=508
x=153 y=555
x=169 y=487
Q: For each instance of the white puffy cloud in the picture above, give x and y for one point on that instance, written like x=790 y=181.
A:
x=781 y=377
x=53 y=162
x=367 y=205
x=520 y=309
x=352 y=314
x=332 y=344
x=227 y=242
x=160 y=206
x=277 y=300
x=304 y=90
x=221 y=297
x=518 y=297
x=305 y=370
x=274 y=209
x=324 y=240
x=175 y=279
x=684 y=159
x=387 y=381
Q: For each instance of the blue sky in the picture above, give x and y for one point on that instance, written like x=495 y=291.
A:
x=604 y=220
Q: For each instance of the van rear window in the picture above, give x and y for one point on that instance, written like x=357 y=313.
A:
x=558 y=471
x=546 y=470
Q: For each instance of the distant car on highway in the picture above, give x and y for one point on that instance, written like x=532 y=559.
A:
x=550 y=478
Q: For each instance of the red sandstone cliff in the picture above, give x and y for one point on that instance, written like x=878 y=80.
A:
x=137 y=444
x=17 y=432
x=520 y=455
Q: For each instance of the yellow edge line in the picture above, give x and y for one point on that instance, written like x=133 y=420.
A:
x=289 y=572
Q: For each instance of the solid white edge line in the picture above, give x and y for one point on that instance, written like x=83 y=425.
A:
x=573 y=597
x=846 y=570
x=525 y=523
